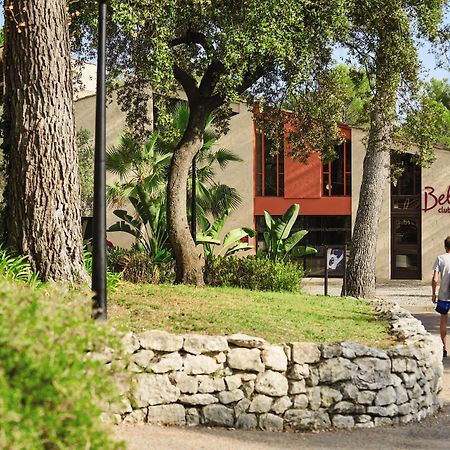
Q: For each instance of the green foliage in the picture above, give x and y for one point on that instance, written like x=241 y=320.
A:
x=112 y=278
x=51 y=392
x=279 y=240
x=86 y=169
x=253 y=272
x=139 y=267
x=232 y=242
x=16 y=268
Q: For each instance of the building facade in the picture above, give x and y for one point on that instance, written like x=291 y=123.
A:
x=415 y=216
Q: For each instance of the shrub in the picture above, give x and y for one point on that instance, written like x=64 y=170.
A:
x=254 y=272
x=112 y=277
x=16 y=267
x=140 y=267
x=50 y=391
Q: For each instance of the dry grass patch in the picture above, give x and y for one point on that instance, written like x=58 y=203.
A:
x=275 y=316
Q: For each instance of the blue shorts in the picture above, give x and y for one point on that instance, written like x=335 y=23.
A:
x=442 y=306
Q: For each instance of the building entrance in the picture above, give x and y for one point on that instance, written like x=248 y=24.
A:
x=406 y=230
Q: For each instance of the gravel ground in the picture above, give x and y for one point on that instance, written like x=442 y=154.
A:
x=431 y=434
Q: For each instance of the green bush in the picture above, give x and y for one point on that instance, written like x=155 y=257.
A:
x=140 y=267
x=254 y=272
x=51 y=392
x=16 y=267
x=112 y=277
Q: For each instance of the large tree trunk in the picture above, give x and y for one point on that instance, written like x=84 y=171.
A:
x=44 y=190
x=188 y=256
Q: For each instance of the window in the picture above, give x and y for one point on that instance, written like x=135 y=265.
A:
x=337 y=174
x=269 y=168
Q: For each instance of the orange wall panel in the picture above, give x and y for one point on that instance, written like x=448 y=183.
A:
x=324 y=206
x=303 y=180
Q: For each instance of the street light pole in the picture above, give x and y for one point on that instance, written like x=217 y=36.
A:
x=99 y=222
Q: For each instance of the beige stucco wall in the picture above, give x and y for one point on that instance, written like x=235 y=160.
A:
x=115 y=124
x=239 y=174
x=383 y=263
x=435 y=224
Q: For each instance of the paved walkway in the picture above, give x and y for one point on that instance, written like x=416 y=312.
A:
x=433 y=433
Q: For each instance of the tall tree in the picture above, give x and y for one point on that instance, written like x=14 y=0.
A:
x=382 y=39
x=216 y=50
x=44 y=189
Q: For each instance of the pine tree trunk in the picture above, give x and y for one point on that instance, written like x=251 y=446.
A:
x=44 y=190
x=188 y=256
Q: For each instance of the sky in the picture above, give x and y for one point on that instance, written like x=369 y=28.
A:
x=425 y=54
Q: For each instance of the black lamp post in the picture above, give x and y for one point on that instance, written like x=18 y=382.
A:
x=99 y=222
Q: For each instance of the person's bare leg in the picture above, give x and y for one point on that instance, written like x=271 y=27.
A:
x=443 y=329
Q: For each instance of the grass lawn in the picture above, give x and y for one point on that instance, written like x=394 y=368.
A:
x=277 y=317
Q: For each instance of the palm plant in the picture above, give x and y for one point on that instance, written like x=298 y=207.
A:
x=278 y=238
x=142 y=171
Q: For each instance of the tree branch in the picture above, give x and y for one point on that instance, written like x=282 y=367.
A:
x=192 y=37
x=210 y=78
x=187 y=82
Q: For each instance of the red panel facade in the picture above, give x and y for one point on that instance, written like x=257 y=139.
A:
x=303 y=180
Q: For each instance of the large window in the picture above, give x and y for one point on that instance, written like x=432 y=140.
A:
x=322 y=231
x=337 y=174
x=269 y=168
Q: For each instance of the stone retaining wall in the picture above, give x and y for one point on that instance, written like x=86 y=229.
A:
x=244 y=382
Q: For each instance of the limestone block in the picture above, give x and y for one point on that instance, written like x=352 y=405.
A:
x=243 y=340
x=167 y=363
x=271 y=383
x=142 y=358
x=160 y=341
x=218 y=415
x=167 y=415
x=300 y=401
x=298 y=372
x=382 y=421
x=208 y=384
x=336 y=369
x=130 y=343
x=281 y=405
x=192 y=417
x=405 y=409
x=340 y=421
x=365 y=425
x=221 y=357
x=314 y=397
x=186 y=383
x=274 y=357
x=302 y=419
x=297 y=387
x=233 y=382
x=261 y=404
x=363 y=418
x=248 y=387
x=197 y=399
x=313 y=379
x=242 y=406
x=415 y=392
x=200 y=364
x=137 y=416
x=197 y=344
x=366 y=397
x=226 y=397
x=346 y=407
x=305 y=353
x=121 y=406
x=247 y=422
x=384 y=411
x=329 y=396
x=245 y=359
x=352 y=350
x=409 y=379
x=330 y=350
x=399 y=365
x=385 y=396
x=349 y=391
x=372 y=373
x=270 y=422
x=148 y=389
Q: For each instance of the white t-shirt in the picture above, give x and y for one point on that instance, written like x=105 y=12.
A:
x=442 y=265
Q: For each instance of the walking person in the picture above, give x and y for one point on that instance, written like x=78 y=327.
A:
x=441 y=276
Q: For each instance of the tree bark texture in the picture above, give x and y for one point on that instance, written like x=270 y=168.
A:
x=188 y=256
x=44 y=190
